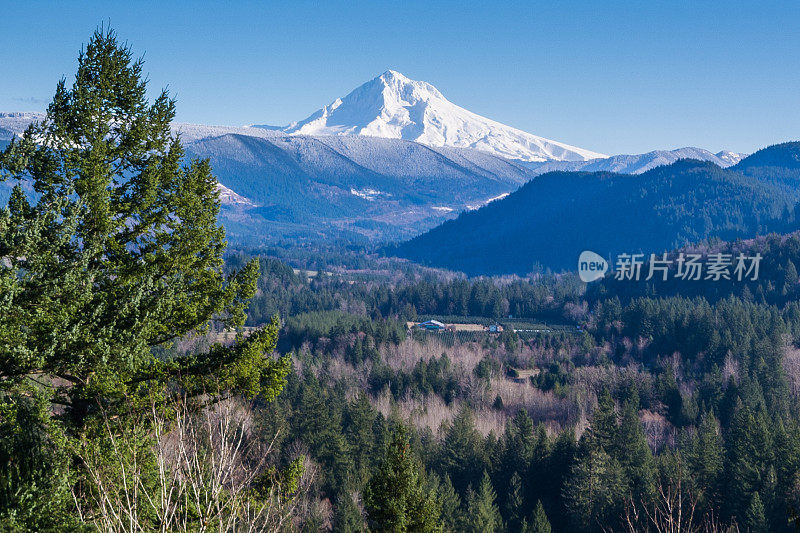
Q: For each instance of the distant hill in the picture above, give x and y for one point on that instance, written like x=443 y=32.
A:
x=639 y=163
x=550 y=220
x=784 y=156
x=352 y=187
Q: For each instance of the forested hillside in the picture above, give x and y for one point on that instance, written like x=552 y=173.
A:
x=684 y=404
x=556 y=216
x=358 y=187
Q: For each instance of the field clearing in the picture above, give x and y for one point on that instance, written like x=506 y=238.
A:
x=228 y=336
x=468 y=327
x=525 y=373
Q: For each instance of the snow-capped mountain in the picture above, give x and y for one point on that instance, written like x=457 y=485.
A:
x=396 y=107
x=639 y=163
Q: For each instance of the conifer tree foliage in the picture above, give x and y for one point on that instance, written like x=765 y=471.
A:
x=397 y=498
x=483 y=513
x=119 y=251
x=116 y=253
x=540 y=523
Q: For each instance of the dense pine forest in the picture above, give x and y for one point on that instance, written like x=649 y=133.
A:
x=153 y=380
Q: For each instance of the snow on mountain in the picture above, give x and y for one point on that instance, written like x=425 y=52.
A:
x=639 y=163
x=396 y=107
x=14 y=124
x=730 y=158
x=230 y=197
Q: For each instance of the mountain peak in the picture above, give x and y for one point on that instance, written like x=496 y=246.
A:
x=390 y=74
x=397 y=107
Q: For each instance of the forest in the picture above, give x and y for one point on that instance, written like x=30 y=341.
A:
x=152 y=379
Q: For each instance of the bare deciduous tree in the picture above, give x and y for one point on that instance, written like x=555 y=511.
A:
x=673 y=509
x=193 y=470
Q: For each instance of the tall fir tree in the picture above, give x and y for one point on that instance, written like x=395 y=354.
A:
x=397 y=498
x=347 y=516
x=515 y=504
x=461 y=453
x=483 y=515
x=603 y=427
x=450 y=501
x=539 y=523
x=120 y=251
x=749 y=458
x=706 y=460
x=116 y=254
x=594 y=490
x=633 y=452
x=754 y=519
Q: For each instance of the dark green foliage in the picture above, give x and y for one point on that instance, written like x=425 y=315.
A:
x=397 y=498
x=483 y=516
x=461 y=453
x=515 y=505
x=696 y=363
x=539 y=523
x=450 y=501
x=754 y=518
x=630 y=446
x=706 y=461
x=750 y=455
x=596 y=485
x=347 y=517
x=34 y=467
x=118 y=254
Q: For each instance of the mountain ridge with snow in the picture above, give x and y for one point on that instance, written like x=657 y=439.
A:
x=394 y=106
x=639 y=163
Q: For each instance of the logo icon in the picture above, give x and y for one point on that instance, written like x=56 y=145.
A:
x=591 y=266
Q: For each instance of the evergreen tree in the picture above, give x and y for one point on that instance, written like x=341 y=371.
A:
x=559 y=465
x=540 y=523
x=461 y=454
x=483 y=514
x=633 y=452
x=117 y=255
x=603 y=427
x=347 y=517
x=754 y=518
x=451 y=505
x=396 y=498
x=514 y=503
x=706 y=460
x=787 y=464
x=594 y=490
x=119 y=252
x=749 y=457
x=359 y=419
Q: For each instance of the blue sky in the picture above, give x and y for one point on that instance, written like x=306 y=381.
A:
x=615 y=77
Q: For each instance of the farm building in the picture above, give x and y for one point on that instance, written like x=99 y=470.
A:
x=432 y=325
x=494 y=328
